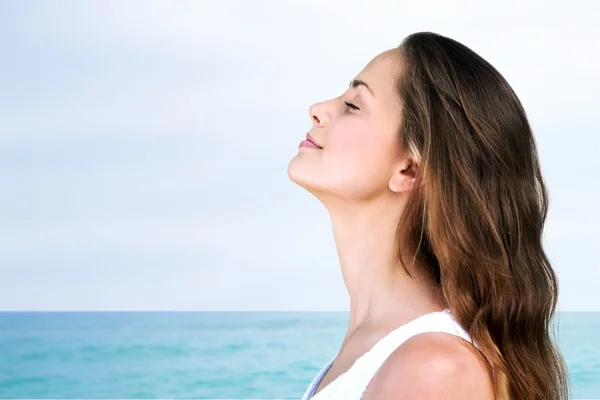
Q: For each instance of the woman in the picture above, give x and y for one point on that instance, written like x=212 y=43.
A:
x=429 y=171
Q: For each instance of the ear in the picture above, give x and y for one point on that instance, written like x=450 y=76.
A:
x=404 y=176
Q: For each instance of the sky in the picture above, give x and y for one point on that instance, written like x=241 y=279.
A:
x=144 y=144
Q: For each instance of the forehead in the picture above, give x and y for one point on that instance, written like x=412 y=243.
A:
x=381 y=74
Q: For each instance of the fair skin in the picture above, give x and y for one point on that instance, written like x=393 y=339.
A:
x=364 y=178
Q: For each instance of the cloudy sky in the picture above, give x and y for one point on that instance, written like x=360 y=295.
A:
x=144 y=145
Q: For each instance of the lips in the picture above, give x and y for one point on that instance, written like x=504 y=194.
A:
x=313 y=141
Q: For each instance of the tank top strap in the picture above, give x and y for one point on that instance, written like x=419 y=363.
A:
x=371 y=362
x=353 y=383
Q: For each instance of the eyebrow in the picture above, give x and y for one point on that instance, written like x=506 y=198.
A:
x=356 y=83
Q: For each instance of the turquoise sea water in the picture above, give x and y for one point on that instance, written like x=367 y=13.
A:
x=205 y=355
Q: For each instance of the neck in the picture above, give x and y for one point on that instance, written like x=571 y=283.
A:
x=382 y=294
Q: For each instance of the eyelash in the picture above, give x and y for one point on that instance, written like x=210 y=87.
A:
x=351 y=106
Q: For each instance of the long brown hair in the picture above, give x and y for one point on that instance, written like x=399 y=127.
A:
x=476 y=216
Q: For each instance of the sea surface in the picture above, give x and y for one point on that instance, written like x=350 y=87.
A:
x=205 y=355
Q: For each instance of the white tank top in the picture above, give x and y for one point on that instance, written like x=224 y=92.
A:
x=352 y=384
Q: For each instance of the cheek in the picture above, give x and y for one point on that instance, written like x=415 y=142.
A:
x=357 y=161
x=360 y=147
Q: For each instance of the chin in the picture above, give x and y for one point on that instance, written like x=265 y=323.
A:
x=300 y=175
x=296 y=173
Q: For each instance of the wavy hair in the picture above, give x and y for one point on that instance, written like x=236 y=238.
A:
x=476 y=215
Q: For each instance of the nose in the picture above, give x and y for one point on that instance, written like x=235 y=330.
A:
x=318 y=114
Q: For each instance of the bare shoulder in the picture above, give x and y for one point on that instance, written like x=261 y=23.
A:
x=432 y=365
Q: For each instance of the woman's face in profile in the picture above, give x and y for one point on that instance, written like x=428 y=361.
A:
x=358 y=133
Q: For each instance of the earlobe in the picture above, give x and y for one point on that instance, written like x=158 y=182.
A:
x=401 y=182
x=403 y=178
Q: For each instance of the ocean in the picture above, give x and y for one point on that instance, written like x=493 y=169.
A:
x=205 y=355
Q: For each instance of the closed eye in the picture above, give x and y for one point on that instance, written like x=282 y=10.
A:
x=351 y=106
